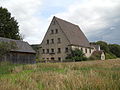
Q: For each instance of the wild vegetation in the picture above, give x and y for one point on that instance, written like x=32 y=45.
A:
x=76 y=55
x=6 y=47
x=111 y=50
x=86 y=75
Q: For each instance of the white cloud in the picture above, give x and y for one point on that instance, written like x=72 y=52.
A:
x=91 y=14
x=25 y=11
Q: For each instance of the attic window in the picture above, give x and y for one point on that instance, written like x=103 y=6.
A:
x=47 y=41
x=53 y=22
x=56 y=31
x=52 y=31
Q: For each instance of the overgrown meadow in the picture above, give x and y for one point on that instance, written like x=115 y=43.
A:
x=86 y=75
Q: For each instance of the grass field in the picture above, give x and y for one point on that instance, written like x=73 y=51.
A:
x=87 y=75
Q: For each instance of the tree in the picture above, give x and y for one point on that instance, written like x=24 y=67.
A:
x=8 y=25
x=76 y=55
x=103 y=46
x=111 y=50
x=6 y=47
x=115 y=49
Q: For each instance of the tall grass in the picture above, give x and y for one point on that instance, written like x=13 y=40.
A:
x=87 y=75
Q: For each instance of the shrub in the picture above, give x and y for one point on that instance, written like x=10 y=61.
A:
x=5 y=47
x=76 y=55
x=110 y=56
x=115 y=49
x=96 y=56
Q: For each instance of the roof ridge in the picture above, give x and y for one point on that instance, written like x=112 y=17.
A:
x=13 y=39
x=65 y=21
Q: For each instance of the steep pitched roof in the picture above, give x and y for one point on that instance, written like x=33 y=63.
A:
x=21 y=45
x=73 y=33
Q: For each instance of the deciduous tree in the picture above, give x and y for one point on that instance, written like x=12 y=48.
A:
x=8 y=25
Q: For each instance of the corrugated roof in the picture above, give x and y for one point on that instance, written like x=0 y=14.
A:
x=21 y=45
x=73 y=33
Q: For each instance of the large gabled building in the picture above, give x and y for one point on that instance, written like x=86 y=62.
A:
x=62 y=37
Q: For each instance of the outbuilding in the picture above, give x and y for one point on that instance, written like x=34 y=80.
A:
x=23 y=54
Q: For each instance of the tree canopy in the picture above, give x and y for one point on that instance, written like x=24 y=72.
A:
x=76 y=55
x=115 y=49
x=6 y=47
x=111 y=50
x=8 y=25
x=103 y=46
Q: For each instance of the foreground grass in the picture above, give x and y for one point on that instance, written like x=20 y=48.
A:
x=89 y=75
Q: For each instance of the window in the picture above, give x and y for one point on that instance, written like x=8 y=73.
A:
x=59 y=40
x=52 y=58
x=52 y=31
x=90 y=50
x=52 y=50
x=59 y=58
x=86 y=50
x=53 y=22
x=56 y=31
x=59 y=50
x=82 y=49
x=47 y=58
x=43 y=58
x=43 y=51
x=47 y=41
x=66 y=49
x=47 y=50
x=52 y=41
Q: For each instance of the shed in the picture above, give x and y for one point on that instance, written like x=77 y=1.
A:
x=23 y=54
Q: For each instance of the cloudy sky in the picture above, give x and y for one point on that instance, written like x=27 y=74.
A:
x=98 y=19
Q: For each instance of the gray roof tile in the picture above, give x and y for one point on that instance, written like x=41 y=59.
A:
x=21 y=45
x=73 y=33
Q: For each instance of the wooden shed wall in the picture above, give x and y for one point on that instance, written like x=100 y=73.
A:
x=19 y=58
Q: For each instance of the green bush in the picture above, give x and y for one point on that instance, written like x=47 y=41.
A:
x=115 y=49
x=76 y=55
x=110 y=56
x=95 y=57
